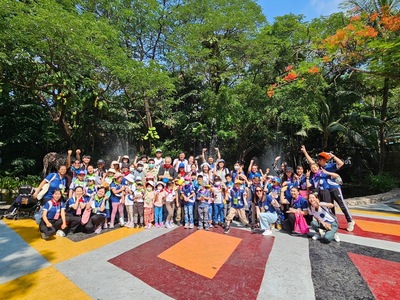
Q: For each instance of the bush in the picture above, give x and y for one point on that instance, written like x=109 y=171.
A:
x=383 y=182
x=12 y=183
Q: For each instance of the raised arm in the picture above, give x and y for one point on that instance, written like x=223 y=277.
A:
x=308 y=157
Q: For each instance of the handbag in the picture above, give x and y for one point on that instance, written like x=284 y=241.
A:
x=45 y=188
x=86 y=215
x=300 y=224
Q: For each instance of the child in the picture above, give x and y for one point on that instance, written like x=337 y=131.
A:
x=188 y=194
x=130 y=189
x=117 y=199
x=170 y=201
x=159 y=198
x=274 y=193
x=203 y=196
x=237 y=198
x=149 y=204
x=218 y=201
x=138 y=203
x=90 y=188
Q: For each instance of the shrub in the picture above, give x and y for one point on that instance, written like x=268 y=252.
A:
x=383 y=182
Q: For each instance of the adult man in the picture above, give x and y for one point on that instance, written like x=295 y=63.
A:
x=180 y=160
x=166 y=171
x=333 y=190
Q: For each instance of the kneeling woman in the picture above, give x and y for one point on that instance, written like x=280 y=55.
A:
x=75 y=205
x=98 y=211
x=325 y=223
x=266 y=207
x=53 y=217
x=298 y=208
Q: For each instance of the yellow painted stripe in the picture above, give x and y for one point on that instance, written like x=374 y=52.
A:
x=378 y=227
x=376 y=213
x=46 y=283
x=58 y=249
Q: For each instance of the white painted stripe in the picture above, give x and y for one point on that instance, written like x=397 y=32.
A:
x=381 y=244
x=288 y=271
x=17 y=258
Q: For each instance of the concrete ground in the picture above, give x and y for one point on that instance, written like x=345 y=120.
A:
x=180 y=263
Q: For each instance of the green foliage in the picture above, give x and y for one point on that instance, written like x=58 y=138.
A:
x=383 y=182
x=11 y=183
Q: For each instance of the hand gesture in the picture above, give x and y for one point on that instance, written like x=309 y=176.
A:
x=78 y=151
x=216 y=149
x=308 y=173
x=267 y=170
x=277 y=158
x=69 y=152
x=204 y=149
x=303 y=149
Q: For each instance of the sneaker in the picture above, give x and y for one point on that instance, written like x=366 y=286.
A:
x=111 y=226
x=247 y=225
x=105 y=226
x=267 y=232
x=167 y=225
x=216 y=226
x=321 y=232
x=171 y=224
x=135 y=226
x=336 y=238
x=208 y=228
x=121 y=222
x=60 y=233
x=162 y=224
x=316 y=236
x=186 y=226
x=200 y=227
x=226 y=229
x=98 y=229
x=157 y=225
x=350 y=226
x=140 y=225
x=191 y=226
x=44 y=236
x=278 y=227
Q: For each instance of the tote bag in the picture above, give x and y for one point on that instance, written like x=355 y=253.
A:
x=300 y=225
x=45 y=188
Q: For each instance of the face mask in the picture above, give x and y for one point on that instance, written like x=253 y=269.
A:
x=236 y=168
x=159 y=188
x=218 y=183
x=151 y=166
x=187 y=182
x=149 y=188
x=140 y=169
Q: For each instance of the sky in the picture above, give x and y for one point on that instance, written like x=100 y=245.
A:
x=309 y=8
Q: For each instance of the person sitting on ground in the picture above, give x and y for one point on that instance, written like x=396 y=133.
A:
x=297 y=205
x=74 y=208
x=237 y=198
x=325 y=223
x=53 y=217
x=97 y=216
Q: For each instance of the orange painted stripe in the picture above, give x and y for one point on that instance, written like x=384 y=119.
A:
x=58 y=249
x=202 y=252
x=47 y=283
x=377 y=227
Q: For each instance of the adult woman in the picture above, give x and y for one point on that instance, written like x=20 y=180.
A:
x=74 y=207
x=266 y=210
x=300 y=181
x=220 y=170
x=97 y=206
x=53 y=216
x=56 y=181
x=207 y=173
x=325 y=223
x=288 y=176
x=298 y=207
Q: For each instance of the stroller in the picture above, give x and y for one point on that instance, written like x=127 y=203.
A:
x=24 y=205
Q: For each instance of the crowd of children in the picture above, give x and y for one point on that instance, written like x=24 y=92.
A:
x=194 y=192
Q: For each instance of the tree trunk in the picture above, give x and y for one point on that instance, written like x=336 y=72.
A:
x=149 y=121
x=382 y=146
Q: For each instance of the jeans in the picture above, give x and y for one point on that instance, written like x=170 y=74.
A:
x=219 y=213
x=188 y=214
x=267 y=218
x=158 y=214
x=203 y=215
x=329 y=234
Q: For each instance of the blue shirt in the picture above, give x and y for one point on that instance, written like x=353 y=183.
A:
x=115 y=197
x=253 y=174
x=53 y=208
x=236 y=197
x=266 y=204
x=56 y=183
x=203 y=192
x=187 y=190
x=299 y=203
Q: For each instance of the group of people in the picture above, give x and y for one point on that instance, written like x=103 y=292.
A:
x=195 y=192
